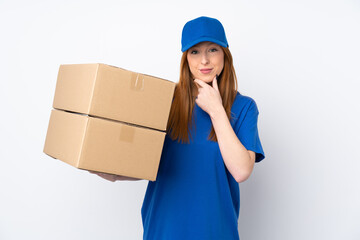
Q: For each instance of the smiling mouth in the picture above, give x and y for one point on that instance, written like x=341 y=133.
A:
x=205 y=70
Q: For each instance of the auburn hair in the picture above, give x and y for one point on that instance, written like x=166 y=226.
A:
x=179 y=123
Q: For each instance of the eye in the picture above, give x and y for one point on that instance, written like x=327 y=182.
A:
x=213 y=50
x=193 y=52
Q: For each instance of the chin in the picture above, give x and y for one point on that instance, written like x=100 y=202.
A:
x=207 y=79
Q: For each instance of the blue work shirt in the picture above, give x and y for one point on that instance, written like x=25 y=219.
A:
x=194 y=196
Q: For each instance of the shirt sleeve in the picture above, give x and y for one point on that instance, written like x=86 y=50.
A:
x=247 y=131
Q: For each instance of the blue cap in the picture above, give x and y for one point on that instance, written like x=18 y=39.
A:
x=203 y=29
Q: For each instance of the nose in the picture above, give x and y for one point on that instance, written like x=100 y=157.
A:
x=204 y=58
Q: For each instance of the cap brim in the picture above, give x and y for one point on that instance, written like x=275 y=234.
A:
x=203 y=39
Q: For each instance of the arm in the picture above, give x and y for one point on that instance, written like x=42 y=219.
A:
x=238 y=160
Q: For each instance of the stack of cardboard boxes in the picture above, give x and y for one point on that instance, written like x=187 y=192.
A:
x=108 y=119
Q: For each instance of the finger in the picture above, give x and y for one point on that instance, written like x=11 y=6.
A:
x=200 y=82
x=197 y=85
x=214 y=84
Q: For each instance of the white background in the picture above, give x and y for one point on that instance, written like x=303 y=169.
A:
x=298 y=59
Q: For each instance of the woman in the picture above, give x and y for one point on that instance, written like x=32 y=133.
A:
x=211 y=145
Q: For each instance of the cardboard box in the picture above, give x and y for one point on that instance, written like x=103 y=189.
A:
x=103 y=145
x=114 y=93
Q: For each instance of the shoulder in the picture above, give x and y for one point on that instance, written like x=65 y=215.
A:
x=243 y=103
x=243 y=106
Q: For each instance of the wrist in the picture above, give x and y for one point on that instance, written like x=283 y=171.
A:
x=217 y=113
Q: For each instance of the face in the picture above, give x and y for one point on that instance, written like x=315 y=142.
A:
x=205 y=59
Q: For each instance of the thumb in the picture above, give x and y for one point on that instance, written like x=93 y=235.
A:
x=214 y=83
